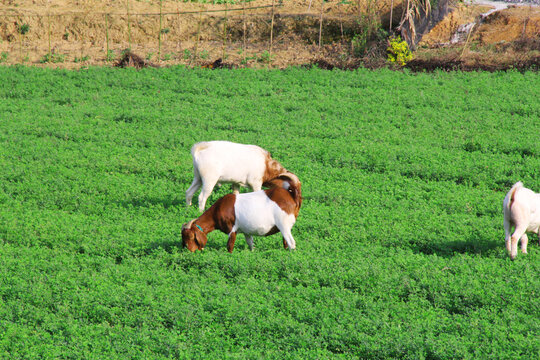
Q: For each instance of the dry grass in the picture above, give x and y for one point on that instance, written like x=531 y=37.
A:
x=79 y=39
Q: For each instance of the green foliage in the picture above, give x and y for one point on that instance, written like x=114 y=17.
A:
x=369 y=27
x=187 y=54
x=53 y=58
x=81 y=59
x=3 y=56
x=23 y=28
x=400 y=250
x=266 y=57
x=398 y=51
x=110 y=55
x=204 y=54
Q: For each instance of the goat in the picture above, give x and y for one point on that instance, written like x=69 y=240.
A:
x=521 y=211
x=216 y=162
x=261 y=213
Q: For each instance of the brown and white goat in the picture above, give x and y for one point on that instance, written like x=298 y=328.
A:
x=216 y=162
x=259 y=213
x=521 y=211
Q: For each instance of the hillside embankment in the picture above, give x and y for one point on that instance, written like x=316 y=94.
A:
x=76 y=33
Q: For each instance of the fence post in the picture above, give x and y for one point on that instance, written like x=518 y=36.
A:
x=160 y=27
x=129 y=25
x=179 y=46
x=320 y=24
x=82 y=39
x=341 y=18
x=225 y=31
x=49 y=34
x=272 y=28
x=107 y=37
x=19 y=35
x=244 y=35
x=391 y=14
x=195 y=56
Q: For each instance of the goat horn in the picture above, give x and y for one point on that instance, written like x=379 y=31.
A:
x=291 y=176
x=188 y=225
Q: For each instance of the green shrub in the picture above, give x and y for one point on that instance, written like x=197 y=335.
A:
x=398 y=51
x=187 y=54
x=110 y=55
x=23 y=28
x=53 y=58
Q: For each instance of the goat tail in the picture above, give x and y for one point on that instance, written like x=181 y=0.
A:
x=196 y=148
x=513 y=191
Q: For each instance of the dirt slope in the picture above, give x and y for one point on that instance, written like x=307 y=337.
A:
x=91 y=32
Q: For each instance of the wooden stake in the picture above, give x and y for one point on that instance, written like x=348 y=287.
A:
x=272 y=28
x=244 y=36
x=18 y=29
x=466 y=42
x=340 y=19
x=160 y=27
x=195 y=56
x=129 y=25
x=107 y=37
x=179 y=27
x=49 y=25
x=391 y=14
x=320 y=24
x=82 y=38
x=225 y=32
x=49 y=19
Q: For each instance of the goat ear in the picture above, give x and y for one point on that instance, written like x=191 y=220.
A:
x=200 y=239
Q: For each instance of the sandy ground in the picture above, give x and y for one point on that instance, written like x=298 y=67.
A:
x=90 y=32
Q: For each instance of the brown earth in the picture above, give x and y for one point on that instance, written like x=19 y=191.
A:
x=506 y=39
x=91 y=32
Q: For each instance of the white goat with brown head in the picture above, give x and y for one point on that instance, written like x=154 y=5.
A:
x=260 y=213
x=521 y=211
x=216 y=162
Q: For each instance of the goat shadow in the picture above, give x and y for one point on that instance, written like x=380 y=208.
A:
x=149 y=201
x=471 y=245
x=190 y=212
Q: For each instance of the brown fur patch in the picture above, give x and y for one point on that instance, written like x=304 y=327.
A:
x=223 y=215
x=199 y=147
x=283 y=197
x=273 y=169
x=219 y=216
x=272 y=231
x=230 y=242
x=193 y=239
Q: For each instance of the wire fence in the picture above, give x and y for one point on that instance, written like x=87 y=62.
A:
x=192 y=36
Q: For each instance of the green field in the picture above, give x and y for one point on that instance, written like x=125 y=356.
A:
x=400 y=244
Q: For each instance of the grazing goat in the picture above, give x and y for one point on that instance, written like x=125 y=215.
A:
x=521 y=211
x=260 y=213
x=216 y=162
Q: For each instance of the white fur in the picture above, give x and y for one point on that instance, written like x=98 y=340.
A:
x=216 y=162
x=523 y=215
x=256 y=214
